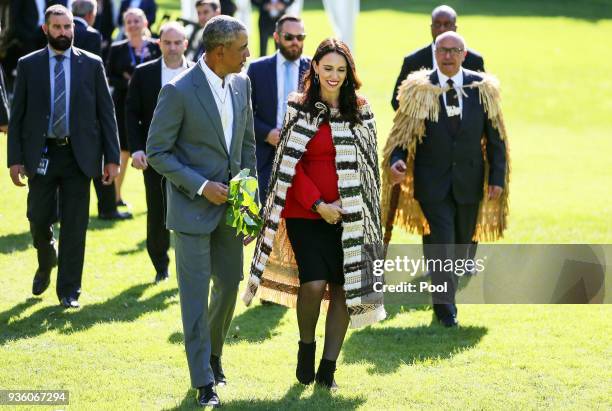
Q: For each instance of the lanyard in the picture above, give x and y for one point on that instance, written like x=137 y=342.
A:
x=133 y=55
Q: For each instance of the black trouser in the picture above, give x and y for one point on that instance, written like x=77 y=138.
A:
x=158 y=237
x=451 y=230
x=62 y=193
x=266 y=30
x=107 y=204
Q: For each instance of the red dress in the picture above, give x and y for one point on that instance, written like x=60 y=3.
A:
x=315 y=177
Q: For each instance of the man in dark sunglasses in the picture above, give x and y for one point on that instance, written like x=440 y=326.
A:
x=443 y=19
x=273 y=78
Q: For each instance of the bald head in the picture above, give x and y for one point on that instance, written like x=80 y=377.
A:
x=443 y=19
x=451 y=37
x=450 y=53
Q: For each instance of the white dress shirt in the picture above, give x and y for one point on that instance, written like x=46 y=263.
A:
x=223 y=98
x=457 y=83
x=168 y=73
x=280 y=85
x=134 y=4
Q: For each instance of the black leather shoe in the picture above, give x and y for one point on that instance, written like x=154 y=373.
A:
x=115 y=215
x=207 y=397
x=161 y=276
x=122 y=203
x=69 y=302
x=449 y=322
x=305 y=370
x=42 y=278
x=215 y=364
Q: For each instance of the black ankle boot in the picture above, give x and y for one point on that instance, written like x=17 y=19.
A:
x=305 y=371
x=325 y=374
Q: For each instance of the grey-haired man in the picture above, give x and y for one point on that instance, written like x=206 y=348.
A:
x=202 y=135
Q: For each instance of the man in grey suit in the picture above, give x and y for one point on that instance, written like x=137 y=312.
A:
x=202 y=135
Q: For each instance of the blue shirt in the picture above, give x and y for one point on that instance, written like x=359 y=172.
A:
x=66 y=62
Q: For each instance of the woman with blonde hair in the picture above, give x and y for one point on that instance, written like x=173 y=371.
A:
x=323 y=211
x=123 y=58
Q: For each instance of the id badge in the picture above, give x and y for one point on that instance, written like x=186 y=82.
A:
x=42 y=166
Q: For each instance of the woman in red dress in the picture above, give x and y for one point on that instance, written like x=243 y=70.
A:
x=324 y=197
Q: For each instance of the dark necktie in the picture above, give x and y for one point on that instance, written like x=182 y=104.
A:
x=452 y=100
x=59 y=102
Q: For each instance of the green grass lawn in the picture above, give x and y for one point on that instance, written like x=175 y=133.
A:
x=123 y=349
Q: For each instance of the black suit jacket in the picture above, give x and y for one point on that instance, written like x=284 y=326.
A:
x=444 y=162
x=264 y=16
x=105 y=23
x=423 y=58
x=4 y=110
x=87 y=38
x=120 y=61
x=141 y=101
x=93 y=130
x=148 y=6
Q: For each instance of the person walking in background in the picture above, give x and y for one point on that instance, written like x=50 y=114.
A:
x=200 y=137
x=324 y=198
x=207 y=9
x=123 y=58
x=273 y=79
x=89 y=39
x=443 y=19
x=146 y=83
x=269 y=13
x=442 y=166
x=60 y=95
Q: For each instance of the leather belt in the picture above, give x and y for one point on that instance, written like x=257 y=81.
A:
x=59 y=142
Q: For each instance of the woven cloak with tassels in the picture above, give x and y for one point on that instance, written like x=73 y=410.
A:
x=419 y=103
x=274 y=271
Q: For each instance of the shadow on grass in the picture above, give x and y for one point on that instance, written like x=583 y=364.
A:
x=254 y=325
x=139 y=247
x=386 y=349
x=588 y=10
x=125 y=307
x=15 y=242
x=320 y=399
x=96 y=224
x=398 y=303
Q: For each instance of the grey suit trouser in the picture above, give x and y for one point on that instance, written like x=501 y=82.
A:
x=199 y=258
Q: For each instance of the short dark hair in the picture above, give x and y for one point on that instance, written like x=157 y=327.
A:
x=214 y=4
x=57 y=10
x=284 y=18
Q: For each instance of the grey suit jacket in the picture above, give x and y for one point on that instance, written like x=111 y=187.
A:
x=187 y=146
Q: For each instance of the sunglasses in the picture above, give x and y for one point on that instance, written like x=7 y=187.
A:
x=290 y=37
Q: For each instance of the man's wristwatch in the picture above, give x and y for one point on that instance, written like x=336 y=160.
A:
x=316 y=204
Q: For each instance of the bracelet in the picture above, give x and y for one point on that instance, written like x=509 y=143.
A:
x=316 y=204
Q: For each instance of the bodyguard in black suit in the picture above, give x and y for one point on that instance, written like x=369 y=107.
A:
x=89 y=39
x=62 y=126
x=449 y=167
x=443 y=19
x=105 y=24
x=144 y=88
x=270 y=11
x=269 y=94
